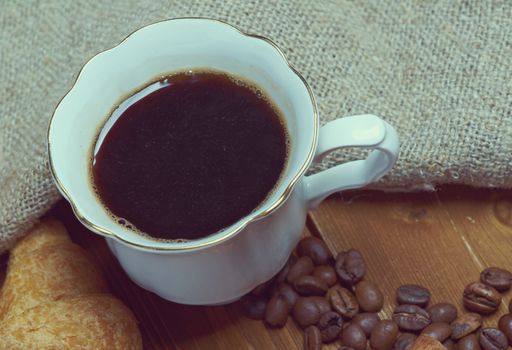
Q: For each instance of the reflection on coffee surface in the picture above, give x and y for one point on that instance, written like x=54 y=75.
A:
x=196 y=153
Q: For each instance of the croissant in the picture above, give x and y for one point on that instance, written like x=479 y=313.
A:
x=54 y=297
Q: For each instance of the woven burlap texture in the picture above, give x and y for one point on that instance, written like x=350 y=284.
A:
x=439 y=71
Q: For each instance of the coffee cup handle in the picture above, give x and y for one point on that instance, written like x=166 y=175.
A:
x=363 y=131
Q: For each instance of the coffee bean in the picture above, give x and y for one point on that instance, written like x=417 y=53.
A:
x=310 y=285
x=322 y=304
x=326 y=273
x=383 y=335
x=469 y=342
x=497 y=278
x=330 y=325
x=277 y=311
x=449 y=344
x=505 y=325
x=286 y=291
x=354 y=337
x=313 y=311
x=411 y=317
x=404 y=341
x=343 y=301
x=254 y=307
x=262 y=289
x=413 y=294
x=465 y=324
x=367 y=321
x=442 y=312
x=315 y=248
x=438 y=330
x=510 y=306
x=369 y=297
x=307 y=310
x=312 y=338
x=481 y=298
x=281 y=275
x=350 y=267
x=303 y=266
x=492 y=339
x=272 y=290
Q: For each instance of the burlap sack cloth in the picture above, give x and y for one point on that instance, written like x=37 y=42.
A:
x=440 y=71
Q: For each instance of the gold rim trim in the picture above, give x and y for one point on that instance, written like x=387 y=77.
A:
x=242 y=224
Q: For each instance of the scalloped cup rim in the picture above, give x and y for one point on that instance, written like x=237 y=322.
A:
x=154 y=246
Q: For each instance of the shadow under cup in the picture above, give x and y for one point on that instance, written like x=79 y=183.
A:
x=107 y=80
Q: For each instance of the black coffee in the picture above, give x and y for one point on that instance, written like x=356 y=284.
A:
x=192 y=157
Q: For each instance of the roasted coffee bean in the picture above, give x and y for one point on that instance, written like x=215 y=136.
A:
x=310 y=285
x=469 y=342
x=449 y=344
x=411 y=317
x=307 y=310
x=367 y=321
x=346 y=324
x=262 y=289
x=286 y=291
x=413 y=294
x=383 y=336
x=442 y=312
x=326 y=273
x=322 y=303
x=497 y=278
x=465 y=324
x=354 y=337
x=350 y=267
x=272 y=290
x=254 y=307
x=330 y=325
x=302 y=267
x=438 y=330
x=343 y=347
x=404 y=341
x=369 y=296
x=505 y=325
x=343 y=301
x=492 y=339
x=281 y=275
x=481 y=298
x=315 y=248
x=510 y=306
x=277 y=311
x=312 y=338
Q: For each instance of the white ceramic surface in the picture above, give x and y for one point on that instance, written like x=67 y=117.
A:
x=224 y=266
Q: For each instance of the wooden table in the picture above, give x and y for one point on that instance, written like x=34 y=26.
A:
x=441 y=240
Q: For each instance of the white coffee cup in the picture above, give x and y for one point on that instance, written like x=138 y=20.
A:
x=227 y=264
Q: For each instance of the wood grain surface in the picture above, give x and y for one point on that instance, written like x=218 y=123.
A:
x=440 y=240
x=424 y=342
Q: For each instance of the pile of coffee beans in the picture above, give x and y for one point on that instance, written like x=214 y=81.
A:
x=332 y=302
